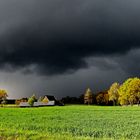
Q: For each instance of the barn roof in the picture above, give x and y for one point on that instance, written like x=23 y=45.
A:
x=50 y=97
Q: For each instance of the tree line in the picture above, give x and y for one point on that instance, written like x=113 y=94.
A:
x=127 y=93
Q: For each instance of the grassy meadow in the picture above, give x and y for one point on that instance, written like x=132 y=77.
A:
x=70 y=123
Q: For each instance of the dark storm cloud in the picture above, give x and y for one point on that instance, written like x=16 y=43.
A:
x=130 y=62
x=53 y=37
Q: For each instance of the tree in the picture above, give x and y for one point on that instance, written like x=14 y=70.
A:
x=113 y=93
x=81 y=99
x=88 y=96
x=3 y=96
x=40 y=99
x=123 y=100
x=31 y=100
x=102 y=98
x=129 y=91
x=132 y=99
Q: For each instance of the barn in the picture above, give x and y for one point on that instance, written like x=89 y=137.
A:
x=48 y=100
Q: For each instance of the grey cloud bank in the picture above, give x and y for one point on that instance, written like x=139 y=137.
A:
x=63 y=38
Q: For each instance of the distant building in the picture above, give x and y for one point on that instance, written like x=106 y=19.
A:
x=88 y=97
x=24 y=99
x=18 y=101
x=48 y=100
x=9 y=101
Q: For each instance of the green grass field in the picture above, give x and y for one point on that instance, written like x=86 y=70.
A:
x=70 y=123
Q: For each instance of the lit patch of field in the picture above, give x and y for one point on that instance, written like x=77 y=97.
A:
x=70 y=123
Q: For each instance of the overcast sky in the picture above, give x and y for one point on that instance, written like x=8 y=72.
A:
x=62 y=47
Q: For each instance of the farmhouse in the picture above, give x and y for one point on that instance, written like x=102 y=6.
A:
x=48 y=100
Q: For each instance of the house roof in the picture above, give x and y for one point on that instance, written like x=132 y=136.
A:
x=50 y=97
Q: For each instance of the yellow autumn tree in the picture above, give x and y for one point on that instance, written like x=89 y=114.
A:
x=88 y=96
x=31 y=100
x=113 y=93
x=129 y=91
x=102 y=98
x=3 y=96
x=3 y=93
